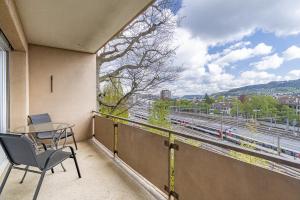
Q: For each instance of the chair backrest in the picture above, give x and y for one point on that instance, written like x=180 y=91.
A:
x=40 y=118
x=19 y=149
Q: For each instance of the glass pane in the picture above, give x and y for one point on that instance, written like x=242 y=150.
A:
x=3 y=92
x=3 y=120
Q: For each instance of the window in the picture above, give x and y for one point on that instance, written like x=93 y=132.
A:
x=4 y=48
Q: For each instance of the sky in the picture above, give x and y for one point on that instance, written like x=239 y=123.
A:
x=225 y=44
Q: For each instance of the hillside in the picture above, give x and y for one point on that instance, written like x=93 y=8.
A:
x=194 y=96
x=290 y=87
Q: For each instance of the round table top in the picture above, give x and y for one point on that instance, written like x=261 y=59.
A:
x=42 y=127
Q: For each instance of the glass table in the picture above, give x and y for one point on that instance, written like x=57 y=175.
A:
x=43 y=127
x=57 y=129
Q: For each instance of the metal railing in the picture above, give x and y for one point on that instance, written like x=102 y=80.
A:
x=172 y=146
x=273 y=158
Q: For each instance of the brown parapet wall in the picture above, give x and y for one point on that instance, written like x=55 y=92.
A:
x=144 y=152
x=104 y=132
x=205 y=175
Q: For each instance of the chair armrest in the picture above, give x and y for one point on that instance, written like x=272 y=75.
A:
x=54 y=152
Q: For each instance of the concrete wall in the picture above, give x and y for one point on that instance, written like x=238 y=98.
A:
x=74 y=86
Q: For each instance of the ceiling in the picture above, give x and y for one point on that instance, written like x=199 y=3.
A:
x=80 y=25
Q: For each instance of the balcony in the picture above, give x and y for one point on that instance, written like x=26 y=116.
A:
x=132 y=160
x=54 y=72
x=182 y=167
x=102 y=179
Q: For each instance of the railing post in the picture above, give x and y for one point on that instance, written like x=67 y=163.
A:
x=171 y=167
x=93 y=124
x=278 y=145
x=115 y=139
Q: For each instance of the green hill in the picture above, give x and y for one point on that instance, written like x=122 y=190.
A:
x=274 y=87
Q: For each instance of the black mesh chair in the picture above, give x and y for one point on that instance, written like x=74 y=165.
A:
x=20 y=150
x=45 y=118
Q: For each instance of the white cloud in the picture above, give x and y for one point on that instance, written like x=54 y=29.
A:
x=293 y=74
x=196 y=79
x=244 y=53
x=214 y=69
x=256 y=75
x=262 y=49
x=192 y=55
x=292 y=53
x=220 y=21
x=274 y=61
x=268 y=62
x=191 y=52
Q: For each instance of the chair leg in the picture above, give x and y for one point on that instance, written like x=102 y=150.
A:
x=74 y=139
x=5 y=178
x=62 y=166
x=26 y=170
x=39 y=185
x=52 y=170
x=76 y=163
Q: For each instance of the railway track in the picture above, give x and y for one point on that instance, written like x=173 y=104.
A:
x=271 y=165
x=259 y=127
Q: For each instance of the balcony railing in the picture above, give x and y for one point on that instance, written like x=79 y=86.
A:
x=169 y=160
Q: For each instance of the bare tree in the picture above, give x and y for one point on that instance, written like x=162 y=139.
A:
x=141 y=56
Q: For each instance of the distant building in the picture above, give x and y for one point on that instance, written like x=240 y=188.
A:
x=291 y=101
x=224 y=107
x=165 y=94
x=242 y=98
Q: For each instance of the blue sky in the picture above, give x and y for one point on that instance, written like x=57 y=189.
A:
x=279 y=44
x=228 y=44
x=176 y=5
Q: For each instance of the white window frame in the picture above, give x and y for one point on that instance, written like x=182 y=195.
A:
x=4 y=93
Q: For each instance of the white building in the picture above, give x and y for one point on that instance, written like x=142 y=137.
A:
x=165 y=94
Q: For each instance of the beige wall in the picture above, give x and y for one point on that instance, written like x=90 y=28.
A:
x=74 y=95
x=74 y=86
x=18 y=62
x=11 y=25
x=19 y=94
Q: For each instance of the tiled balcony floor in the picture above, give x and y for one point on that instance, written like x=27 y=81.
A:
x=101 y=179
